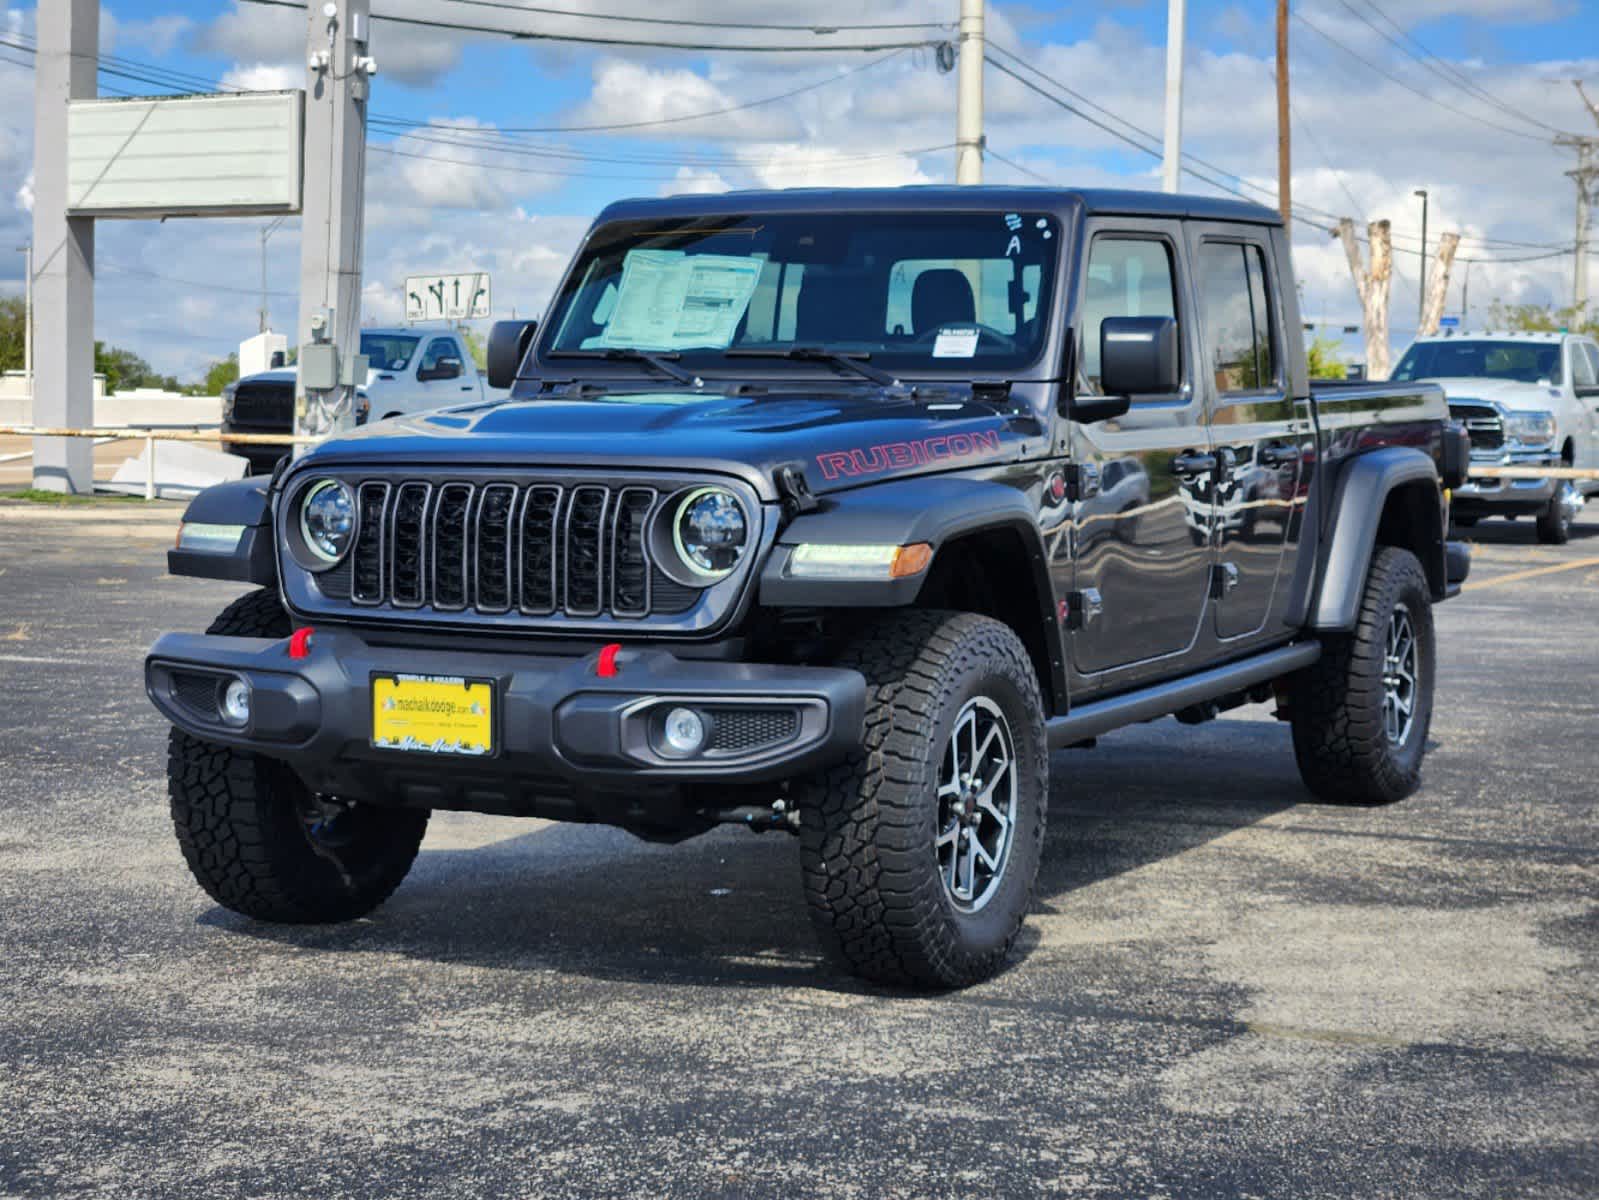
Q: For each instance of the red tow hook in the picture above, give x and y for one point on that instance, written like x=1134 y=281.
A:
x=606 y=668
x=300 y=642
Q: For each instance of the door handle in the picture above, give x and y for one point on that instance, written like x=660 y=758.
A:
x=1194 y=464
x=1278 y=456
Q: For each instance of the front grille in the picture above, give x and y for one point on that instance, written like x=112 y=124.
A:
x=543 y=549
x=263 y=404
x=1484 y=425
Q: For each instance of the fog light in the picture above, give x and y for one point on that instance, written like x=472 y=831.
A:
x=236 y=702
x=685 y=731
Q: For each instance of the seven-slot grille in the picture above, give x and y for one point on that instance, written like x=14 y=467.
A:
x=1484 y=425
x=577 y=550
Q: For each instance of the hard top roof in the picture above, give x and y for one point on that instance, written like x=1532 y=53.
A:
x=944 y=198
x=1501 y=335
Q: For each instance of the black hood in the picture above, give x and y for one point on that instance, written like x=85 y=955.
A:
x=839 y=439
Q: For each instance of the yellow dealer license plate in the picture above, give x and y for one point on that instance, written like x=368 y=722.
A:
x=433 y=714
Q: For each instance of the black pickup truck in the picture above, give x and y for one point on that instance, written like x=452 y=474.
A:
x=832 y=513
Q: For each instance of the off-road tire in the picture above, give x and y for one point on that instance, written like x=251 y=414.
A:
x=1554 y=522
x=868 y=826
x=241 y=820
x=1345 y=755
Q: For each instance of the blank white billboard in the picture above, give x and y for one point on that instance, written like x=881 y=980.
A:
x=175 y=156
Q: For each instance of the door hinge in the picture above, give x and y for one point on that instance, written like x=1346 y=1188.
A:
x=1082 y=608
x=1082 y=481
x=1223 y=579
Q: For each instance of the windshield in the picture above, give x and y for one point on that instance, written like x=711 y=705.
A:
x=1524 y=362
x=389 y=351
x=931 y=291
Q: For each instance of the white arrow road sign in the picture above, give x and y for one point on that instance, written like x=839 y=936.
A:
x=448 y=297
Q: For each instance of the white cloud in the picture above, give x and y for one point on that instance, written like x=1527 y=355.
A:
x=796 y=166
x=24 y=196
x=627 y=92
x=264 y=77
x=690 y=181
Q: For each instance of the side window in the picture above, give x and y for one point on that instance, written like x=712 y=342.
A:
x=1127 y=277
x=1236 y=316
x=1584 y=368
x=439 y=347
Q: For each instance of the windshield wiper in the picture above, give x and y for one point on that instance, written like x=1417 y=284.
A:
x=850 y=360
x=629 y=354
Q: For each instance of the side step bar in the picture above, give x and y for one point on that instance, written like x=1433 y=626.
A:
x=1101 y=716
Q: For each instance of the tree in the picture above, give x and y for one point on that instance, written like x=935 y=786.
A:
x=221 y=374
x=123 y=369
x=1322 y=358
x=13 y=322
x=1372 y=283
x=475 y=346
x=1541 y=318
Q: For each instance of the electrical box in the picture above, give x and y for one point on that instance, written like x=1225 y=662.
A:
x=319 y=366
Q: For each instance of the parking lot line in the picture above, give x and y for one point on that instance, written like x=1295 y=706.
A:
x=1531 y=573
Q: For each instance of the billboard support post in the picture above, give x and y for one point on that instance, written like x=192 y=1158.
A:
x=338 y=75
x=63 y=295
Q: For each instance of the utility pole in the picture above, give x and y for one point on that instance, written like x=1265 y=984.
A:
x=68 y=33
x=338 y=80
x=1171 y=165
x=1465 y=299
x=969 y=101
x=1586 y=177
x=1285 y=199
x=267 y=231
x=1421 y=286
x=27 y=318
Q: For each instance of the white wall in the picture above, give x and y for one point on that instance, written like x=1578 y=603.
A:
x=141 y=406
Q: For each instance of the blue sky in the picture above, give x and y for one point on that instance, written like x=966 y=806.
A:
x=182 y=293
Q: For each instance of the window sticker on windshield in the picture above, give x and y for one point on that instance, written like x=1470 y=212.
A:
x=956 y=342
x=670 y=300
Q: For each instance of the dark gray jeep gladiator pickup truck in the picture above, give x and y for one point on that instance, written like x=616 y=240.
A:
x=831 y=513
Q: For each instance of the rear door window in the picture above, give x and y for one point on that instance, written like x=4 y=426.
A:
x=1584 y=365
x=1240 y=337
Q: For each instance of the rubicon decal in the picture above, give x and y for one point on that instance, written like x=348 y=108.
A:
x=890 y=456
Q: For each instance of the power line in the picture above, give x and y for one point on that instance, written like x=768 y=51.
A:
x=699 y=116
x=1444 y=70
x=598 y=40
x=1415 y=91
x=990 y=152
x=818 y=28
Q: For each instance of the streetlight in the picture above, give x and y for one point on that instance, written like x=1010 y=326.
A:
x=266 y=231
x=1421 y=298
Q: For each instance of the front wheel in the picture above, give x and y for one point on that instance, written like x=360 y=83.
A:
x=1554 y=521
x=920 y=852
x=259 y=841
x=1362 y=711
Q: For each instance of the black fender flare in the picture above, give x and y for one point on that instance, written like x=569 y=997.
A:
x=1359 y=498
x=244 y=504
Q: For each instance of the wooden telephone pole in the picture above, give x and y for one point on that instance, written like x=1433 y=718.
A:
x=1284 y=156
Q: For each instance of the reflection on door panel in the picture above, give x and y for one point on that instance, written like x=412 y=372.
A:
x=1256 y=498
x=1134 y=552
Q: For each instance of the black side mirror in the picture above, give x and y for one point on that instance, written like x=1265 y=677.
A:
x=278 y=359
x=444 y=368
x=508 y=346
x=1138 y=357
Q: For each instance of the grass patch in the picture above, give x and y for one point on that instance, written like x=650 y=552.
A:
x=40 y=496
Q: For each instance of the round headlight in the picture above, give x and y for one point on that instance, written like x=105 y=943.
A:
x=327 y=520
x=710 y=532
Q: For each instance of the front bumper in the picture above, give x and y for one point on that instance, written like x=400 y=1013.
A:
x=1483 y=496
x=562 y=734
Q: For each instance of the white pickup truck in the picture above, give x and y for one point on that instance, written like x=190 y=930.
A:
x=1527 y=400
x=411 y=370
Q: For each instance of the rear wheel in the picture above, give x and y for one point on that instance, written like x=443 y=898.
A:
x=1362 y=711
x=920 y=852
x=259 y=841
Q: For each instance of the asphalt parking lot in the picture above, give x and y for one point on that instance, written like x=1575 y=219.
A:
x=1225 y=989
